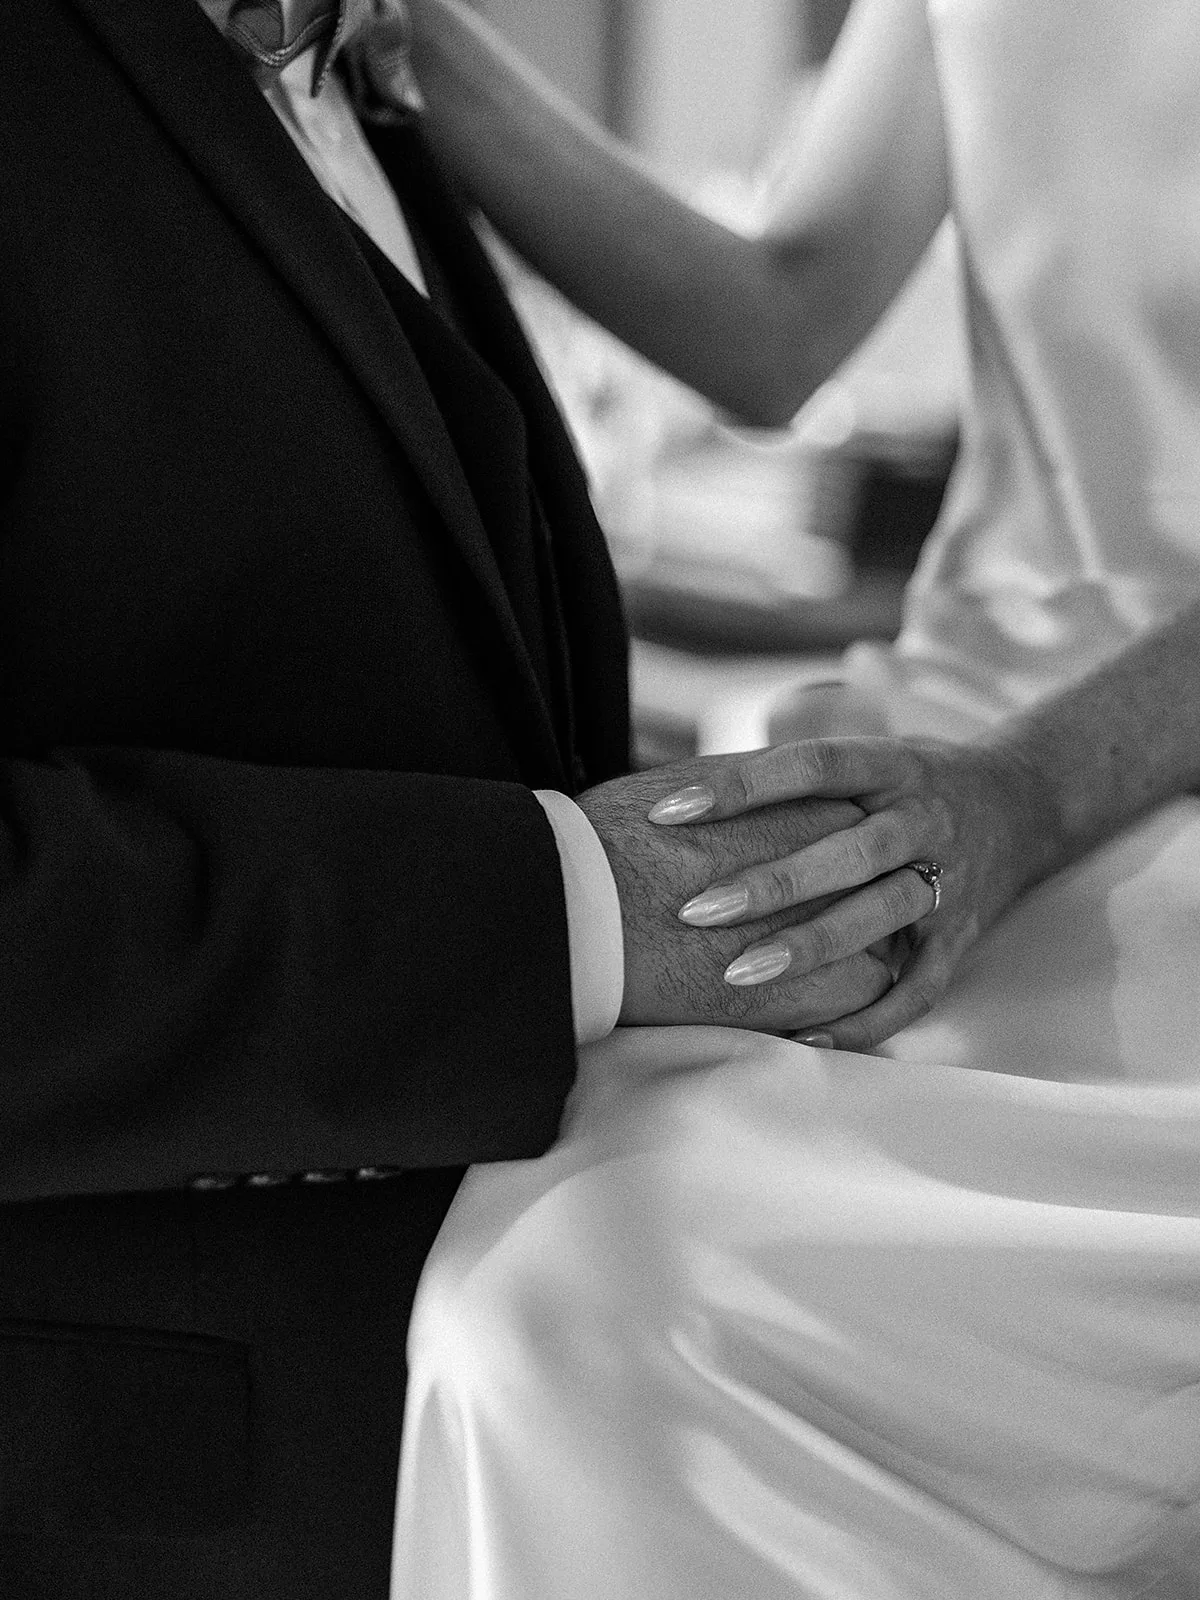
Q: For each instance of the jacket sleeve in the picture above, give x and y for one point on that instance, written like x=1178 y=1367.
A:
x=209 y=966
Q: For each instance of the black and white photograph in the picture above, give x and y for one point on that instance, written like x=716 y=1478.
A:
x=600 y=845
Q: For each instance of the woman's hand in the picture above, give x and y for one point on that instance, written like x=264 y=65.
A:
x=674 y=973
x=976 y=811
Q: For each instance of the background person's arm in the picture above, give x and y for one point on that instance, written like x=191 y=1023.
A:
x=756 y=324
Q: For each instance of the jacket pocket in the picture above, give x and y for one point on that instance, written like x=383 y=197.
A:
x=122 y=1431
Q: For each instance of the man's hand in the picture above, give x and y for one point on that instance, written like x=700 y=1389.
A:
x=675 y=973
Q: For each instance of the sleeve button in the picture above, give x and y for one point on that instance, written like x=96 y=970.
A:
x=323 y=1177
x=267 y=1180
x=374 y=1174
x=213 y=1182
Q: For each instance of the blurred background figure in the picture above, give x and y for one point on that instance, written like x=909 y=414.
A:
x=749 y=558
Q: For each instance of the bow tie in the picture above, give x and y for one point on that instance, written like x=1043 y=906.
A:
x=272 y=33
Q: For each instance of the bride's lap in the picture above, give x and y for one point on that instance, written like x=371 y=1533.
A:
x=777 y=1322
x=1093 y=976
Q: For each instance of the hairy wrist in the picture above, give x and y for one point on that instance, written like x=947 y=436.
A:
x=1042 y=839
x=647 y=899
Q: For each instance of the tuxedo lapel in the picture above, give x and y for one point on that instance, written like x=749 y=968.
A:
x=207 y=104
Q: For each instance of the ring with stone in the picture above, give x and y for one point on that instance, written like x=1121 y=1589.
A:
x=931 y=872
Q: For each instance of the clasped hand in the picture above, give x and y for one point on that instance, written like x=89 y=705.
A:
x=773 y=890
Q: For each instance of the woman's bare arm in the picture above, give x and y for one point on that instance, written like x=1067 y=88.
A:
x=754 y=323
x=999 y=815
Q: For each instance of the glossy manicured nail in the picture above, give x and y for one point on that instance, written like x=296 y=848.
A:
x=758 y=966
x=715 y=906
x=817 y=1041
x=685 y=805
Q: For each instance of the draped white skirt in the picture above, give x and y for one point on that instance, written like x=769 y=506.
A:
x=772 y=1322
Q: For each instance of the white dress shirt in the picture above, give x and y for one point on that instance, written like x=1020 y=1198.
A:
x=327 y=134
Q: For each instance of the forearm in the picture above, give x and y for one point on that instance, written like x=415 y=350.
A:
x=754 y=323
x=214 y=966
x=999 y=814
x=1098 y=756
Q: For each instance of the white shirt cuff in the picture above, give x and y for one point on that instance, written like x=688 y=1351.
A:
x=593 y=919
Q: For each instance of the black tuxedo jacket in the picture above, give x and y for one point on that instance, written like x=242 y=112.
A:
x=275 y=894
x=300 y=594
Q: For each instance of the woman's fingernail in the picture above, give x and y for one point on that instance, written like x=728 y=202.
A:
x=758 y=966
x=714 y=906
x=817 y=1041
x=685 y=805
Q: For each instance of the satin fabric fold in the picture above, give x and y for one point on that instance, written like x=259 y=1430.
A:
x=1071 y=523
x=781 y=1323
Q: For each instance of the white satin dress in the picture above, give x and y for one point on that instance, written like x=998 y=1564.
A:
x=783 y=1324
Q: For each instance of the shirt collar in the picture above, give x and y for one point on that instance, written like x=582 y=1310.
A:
x=273 y=33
